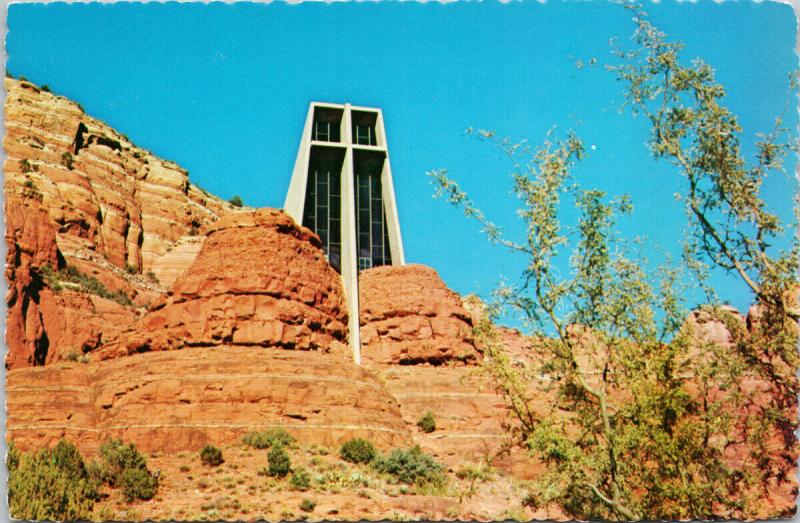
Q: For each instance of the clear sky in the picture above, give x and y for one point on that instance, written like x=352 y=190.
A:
x=223 y=90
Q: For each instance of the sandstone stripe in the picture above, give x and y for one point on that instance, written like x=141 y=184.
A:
x=312 y=426
x=207 y=377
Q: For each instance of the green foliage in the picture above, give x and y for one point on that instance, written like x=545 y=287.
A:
x=642 y=408
x=152 y=277
x=26 y=166
x=12 y=457
x=357 y=450
x=301 y=480
x=269 y=438
x=236 y=201
x=67 y=160
x=138 y=483
x=83 y=282
x=50 y=484
x=211 y=456
x=411 y=466
x=30 y=190
x=427 y=423
x=279 y=462
x=124 y=466
x=45 y=88
x=308 y=505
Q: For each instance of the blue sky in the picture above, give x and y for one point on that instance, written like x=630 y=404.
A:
x=223 y=90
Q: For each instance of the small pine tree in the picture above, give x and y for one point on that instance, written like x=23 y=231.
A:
x=279 y=462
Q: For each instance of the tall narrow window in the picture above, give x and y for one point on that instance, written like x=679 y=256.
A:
x=322 y=210
x=372 y=237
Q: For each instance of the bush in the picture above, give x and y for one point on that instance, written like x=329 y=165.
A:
x=50 y=484
x=427 y=423
x=300 y=480
x=138 y=484
x=152 y=277
x=211 y=456
x=12 y=458
x=357 y=450
x=119 y=457
x=236 y=201
x=308 y=505
x=279 y=462
x=45 y=88
x=411 y=466
x=269 y=438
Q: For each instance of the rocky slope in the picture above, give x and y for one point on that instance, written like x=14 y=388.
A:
x=183 y=400
x=86 y=197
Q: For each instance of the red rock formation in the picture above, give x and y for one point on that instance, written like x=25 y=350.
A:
x=409 y=316
x=259 y=280
x=31 y=243
x=183 y=400
x=79 y=193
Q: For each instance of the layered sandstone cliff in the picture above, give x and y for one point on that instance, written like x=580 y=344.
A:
x=183 y=400
x=79 y=194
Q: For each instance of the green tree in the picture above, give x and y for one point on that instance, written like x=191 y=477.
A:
x=236 y=201
x=50 y=484
x=641 y=409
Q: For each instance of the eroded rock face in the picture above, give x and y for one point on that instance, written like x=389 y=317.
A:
x=183 y=400
x=409 y=316
x=79 y=193
x=259 y=280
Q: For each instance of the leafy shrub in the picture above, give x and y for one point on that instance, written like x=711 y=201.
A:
x=300 y=480
x=211 y=456
x=308 y=505
x=12 y=458
x=427 y=423
x=411 y=466
x=138 y=484
x=279 y=462
x=119 y=457
x=45 y=88
x=50 y=484
x=269 y=438
x=124 y=466
x=152 y=277
x=236 y=201
x=357 y=450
